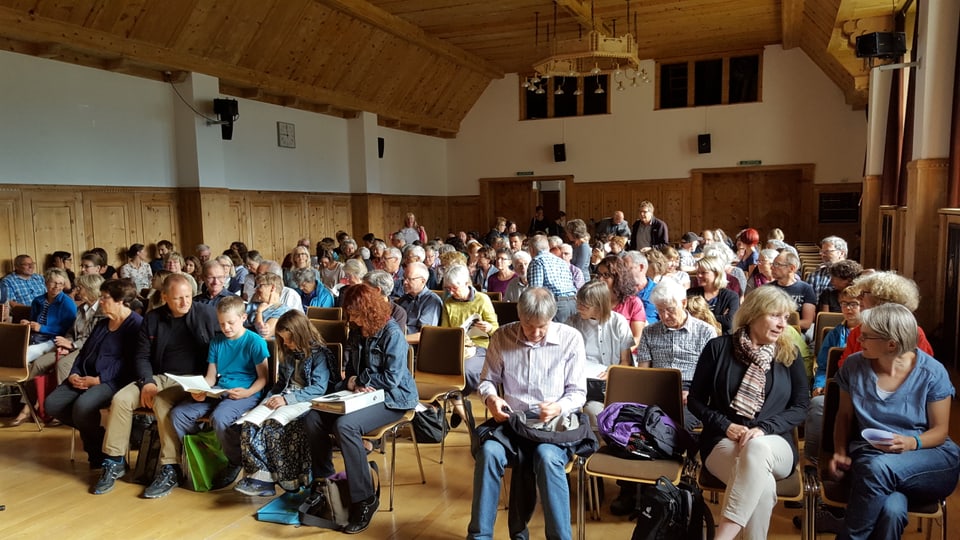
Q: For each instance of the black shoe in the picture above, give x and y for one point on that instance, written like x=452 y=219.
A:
x=455 y=420
x=226 y=477
x=167 y=478
x=360 y=515
x=626 y=502
x=112 y=470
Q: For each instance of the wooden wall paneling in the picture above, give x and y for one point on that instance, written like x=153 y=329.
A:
x=238 y=218
x=366 y=211
x=318 y=218
x=394 y=210
x=775 y=200
x=262 y=214
x=218 y=227
x=341 y=215
x=613 y=196
x=848 y=231
x=109 y=223
x=724 y=205
x=157 y=219
x=675 y=207
x=11 y=228
x=464 y=212
x=293 y=223
x=190 y=217
x=55 y=217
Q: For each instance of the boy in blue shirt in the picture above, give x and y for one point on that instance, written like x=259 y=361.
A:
x=237 y=362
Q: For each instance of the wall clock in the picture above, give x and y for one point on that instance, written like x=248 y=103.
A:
x=286 y=135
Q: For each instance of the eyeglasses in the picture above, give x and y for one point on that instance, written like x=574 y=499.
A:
x=412 y=279
x=845 y=305
x=211 y=279
x=87 y=265
x=781 y=265
x=827 y=251
x=863 y=337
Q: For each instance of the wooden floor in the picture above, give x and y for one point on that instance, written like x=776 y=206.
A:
x=46 y=497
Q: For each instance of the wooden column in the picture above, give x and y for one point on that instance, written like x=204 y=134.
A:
x=870 y=222
x=205 y=217
x=367 y=212
x=926 y=194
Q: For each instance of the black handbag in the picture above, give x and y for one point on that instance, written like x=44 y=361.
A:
x=430 y=424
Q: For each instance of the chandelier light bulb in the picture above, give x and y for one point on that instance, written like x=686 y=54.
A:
x=595 y=70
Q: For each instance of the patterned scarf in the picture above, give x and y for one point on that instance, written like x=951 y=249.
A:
x=749 y=398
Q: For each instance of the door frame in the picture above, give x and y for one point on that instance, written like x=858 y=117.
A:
x=807 y=218
x=488 y=187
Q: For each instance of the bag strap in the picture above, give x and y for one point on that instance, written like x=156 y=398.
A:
x=376 y=469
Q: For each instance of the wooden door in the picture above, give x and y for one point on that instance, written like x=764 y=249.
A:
x=515 y=201
x=761 y=199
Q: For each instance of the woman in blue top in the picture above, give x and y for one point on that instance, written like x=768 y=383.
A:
x=51 y=314
x=100 y=369
x=376 y=359
x=265 y=307
x=892 y=386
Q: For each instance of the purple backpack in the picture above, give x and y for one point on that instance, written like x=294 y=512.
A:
x=642 y=432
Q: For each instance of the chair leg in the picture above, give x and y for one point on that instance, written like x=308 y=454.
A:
x=73 y=444
x=30 y=407
x=581 y=476
x=393 y=462
x=444 y=427
x=416 y=448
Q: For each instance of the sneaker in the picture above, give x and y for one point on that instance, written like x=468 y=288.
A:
x=827 y=523
x=252 y=487
x=225 y=477
x=167 y=478
x=112 y=470
x=360 y=515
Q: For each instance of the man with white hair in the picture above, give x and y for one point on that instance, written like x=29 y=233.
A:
x=521 y=260
x=203 y=253
x=288 y=296
x=422 y=305
x=539 y=366
x=415 y=253
x=392 y=258
x=638 y=264
x=553 y=273
x=615 y=225
x=832 y=249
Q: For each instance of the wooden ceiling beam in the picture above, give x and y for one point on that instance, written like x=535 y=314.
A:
x=791 y=22
x=15 y=24
x=402 y=29
x=580 y=10
x=48 y=50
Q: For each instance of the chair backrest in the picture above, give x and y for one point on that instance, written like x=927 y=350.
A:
x=19 y=313
x=821 y=334
x=495 y=296
x=831 y=406
x=650 y=386
x=337 y=350
x=325 y=313
x=331 y=331
x=826 y=318
x=833 y=361
x=14 y=340
x=441 y=350
x=506 y=312
x=793 y=318
x=273 y=363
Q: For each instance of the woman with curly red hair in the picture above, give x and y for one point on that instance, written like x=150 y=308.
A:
x=375 y=358
x=747 y=241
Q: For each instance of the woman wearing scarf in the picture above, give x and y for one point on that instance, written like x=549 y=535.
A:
x=750 y=390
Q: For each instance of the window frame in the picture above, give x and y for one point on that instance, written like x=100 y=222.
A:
x=691 y=62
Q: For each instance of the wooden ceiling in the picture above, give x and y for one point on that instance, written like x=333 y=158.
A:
x=419 y=65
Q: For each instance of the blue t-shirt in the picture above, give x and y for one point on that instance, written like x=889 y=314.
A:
x=905 y=411
x=648 y=307
x=237 y=359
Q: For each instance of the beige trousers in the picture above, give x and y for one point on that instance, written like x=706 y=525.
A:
x=117 y=439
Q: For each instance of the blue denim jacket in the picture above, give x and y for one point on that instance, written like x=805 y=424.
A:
x=380 y=361
x=319 y=369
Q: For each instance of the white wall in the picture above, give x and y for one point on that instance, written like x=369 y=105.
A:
x=802 y=119
x=65 y=124
x=413 y=164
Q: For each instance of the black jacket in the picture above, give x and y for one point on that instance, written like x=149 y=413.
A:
x=715 y=384
x=155 y=336
x=659 y=235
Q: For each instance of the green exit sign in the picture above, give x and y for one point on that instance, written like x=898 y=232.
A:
x=524 y=173
x=750 y=162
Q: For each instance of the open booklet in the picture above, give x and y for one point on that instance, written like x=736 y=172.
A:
x=345 y=401
x=196 y=384
x=284 y=415
x=473 y=331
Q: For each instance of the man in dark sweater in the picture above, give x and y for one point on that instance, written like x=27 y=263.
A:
x=648 y=232
x=174 y=338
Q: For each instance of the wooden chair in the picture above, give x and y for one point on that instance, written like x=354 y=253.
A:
x=391 y=429
x=650 y=386
x=795 y=488
x=824 y=319
x=19 y=313
x=439 y=368
x=833 y=361
x=332 y=331
x=506 y=312
x=325 y=313
x=495 y=296
x=821 y=334
x=14 y=369
x=835 y=493
x=793 y=319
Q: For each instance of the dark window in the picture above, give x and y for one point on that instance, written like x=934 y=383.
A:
x=594 y=102
x=744 y=78
x=673 y=86
x=536 y=103
x=708 y=82
x=564 y=104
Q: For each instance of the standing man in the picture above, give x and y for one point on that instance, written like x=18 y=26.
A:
x=174 y=338
x=540 y=367
x=422 y=305
x=614 y=226
x=23 y=285
x=832 y=249
x=553 y=273
x=214 y=278
x=648 y=232
x=538 y=224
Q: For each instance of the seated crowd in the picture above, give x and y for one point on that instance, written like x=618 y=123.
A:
x=736 y=317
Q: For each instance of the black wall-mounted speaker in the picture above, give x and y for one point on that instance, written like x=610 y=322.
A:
x=227 y=111
x=881 y=45
x=703 y=143
x=559 y=152
x=380 y=147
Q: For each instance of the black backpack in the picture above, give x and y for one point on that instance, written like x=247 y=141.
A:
x=668 y=512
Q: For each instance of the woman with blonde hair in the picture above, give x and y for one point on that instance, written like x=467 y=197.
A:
x=713 y=288
x=698 y=308
x=299 y=258
x=750 y=391
x=413 y=231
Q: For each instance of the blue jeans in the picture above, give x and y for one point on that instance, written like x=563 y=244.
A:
x=223 y=413
x=543 y=470
x=882 y=483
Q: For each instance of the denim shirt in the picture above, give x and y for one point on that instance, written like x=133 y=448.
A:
x=319 y=369
x=380 y=361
